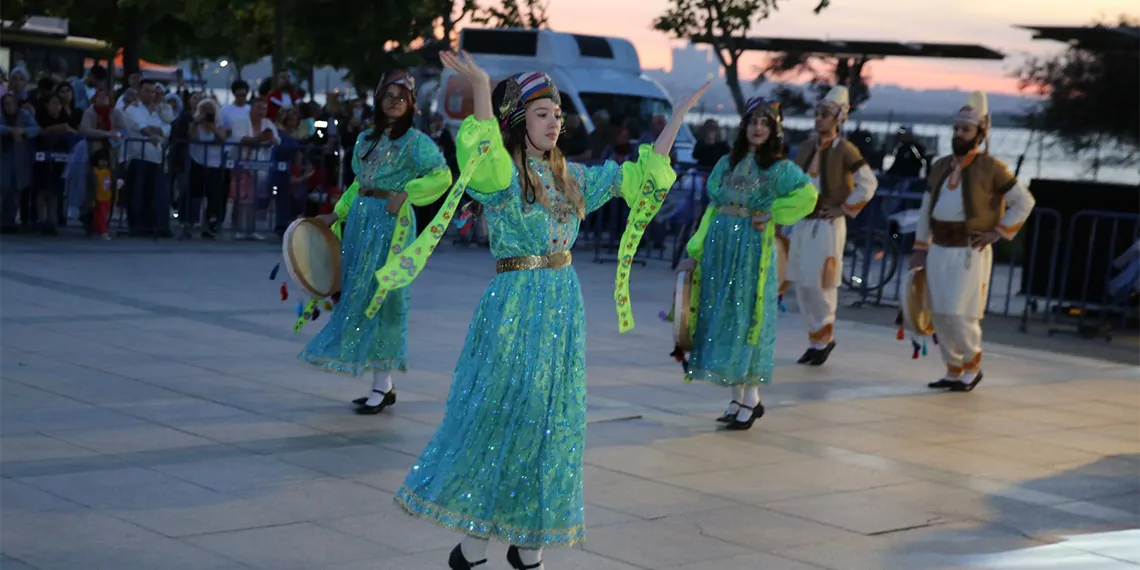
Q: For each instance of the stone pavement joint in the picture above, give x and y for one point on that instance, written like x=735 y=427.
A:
x=153 y=415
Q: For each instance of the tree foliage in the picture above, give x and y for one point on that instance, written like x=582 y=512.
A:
x=514 y=14
x=387 y=32
x=823 y=72
x=1089 y=99
x=725 y=25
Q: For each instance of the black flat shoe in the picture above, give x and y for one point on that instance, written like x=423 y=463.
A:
x=809 y=355
x=457 y=562
x=960 y=386
x=388 y=400
x=822 y=354
x=727 y=417
x=941 y=383
x=737 y=425
x=516 y=562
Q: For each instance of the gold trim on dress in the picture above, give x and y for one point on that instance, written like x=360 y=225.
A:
x=530 y=262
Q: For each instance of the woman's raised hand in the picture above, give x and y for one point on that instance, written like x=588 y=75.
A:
x=685 y=105
x=462 y=64
x=665 y=140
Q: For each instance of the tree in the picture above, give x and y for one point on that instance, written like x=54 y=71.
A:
x=514 y=14
x=725 y=25
x=823 y=72
x=392 y=29
x=1089 y=99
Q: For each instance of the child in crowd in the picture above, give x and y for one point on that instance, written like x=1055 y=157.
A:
x=104 y=193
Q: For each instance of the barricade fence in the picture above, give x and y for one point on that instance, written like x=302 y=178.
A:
x=152 y=188
x=1081 y=272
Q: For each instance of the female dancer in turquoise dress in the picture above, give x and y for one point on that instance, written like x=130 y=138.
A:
x=735 y=285
x=394 y=164
x=506 y=462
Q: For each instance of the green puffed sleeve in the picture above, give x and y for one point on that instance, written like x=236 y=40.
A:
x=343 y=205
x=487 y=184
x=797 y=196
x=478 y=142
x=610 y=180
x=434 y=176
x=643 y=184
x=696 y=245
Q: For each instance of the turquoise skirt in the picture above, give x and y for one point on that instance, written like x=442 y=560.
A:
x=506 y=463
x=730 y=271
x=350 y=342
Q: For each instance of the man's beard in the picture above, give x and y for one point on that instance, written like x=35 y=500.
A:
x=962 y=147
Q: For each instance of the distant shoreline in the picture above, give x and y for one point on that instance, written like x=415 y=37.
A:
x=1005 y=120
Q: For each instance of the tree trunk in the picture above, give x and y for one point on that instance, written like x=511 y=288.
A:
x=732 y=79
x=448 y=25
x=279 y=38
x=133 y=43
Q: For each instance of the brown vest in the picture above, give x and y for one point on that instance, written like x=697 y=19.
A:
x=836 y=164
x=984 y=184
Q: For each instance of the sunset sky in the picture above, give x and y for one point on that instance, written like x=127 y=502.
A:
x=987 y=22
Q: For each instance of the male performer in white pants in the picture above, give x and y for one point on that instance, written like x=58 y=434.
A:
x=815 y=258
x=972 y=200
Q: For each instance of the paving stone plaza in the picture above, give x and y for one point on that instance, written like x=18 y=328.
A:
x=155 y=417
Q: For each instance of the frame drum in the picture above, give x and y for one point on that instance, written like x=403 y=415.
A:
x=916 y=306
x=682 y=297
x=312 y=257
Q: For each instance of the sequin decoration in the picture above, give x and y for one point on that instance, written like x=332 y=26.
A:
x=506 y=462
x=736 y=289
x=350 y=342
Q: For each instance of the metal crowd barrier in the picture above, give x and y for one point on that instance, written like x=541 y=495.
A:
x=156 y=189
x=1086 y=290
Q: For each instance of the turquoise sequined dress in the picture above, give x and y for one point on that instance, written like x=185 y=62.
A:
x=506 y=462
x=730 y=252
x=350 y=342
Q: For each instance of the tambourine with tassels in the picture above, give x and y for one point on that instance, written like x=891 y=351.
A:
x=915 y=315
x=311 y=252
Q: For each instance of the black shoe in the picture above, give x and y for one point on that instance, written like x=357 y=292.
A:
x=515 y=560
x=388 y=400
x=457 y=562
x=822 y=354
x=942 y=383
x=809 y=355
x=727 y=417
x=960 y=386
x=737 y=425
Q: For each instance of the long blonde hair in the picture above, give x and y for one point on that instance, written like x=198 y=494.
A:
x=515 y=142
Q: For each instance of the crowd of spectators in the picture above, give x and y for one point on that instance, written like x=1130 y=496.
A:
x=183 y=164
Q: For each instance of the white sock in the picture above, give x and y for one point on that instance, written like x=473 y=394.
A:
x=737 y=395
x=474 y=548
x=531 y=557
x=381 y=382
x=818 y=346
x=751 y=398
x=969 y=376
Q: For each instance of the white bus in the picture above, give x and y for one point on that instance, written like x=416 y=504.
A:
x=593 y=73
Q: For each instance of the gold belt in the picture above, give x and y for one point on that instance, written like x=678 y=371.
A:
x=737 y=211
x=385 y=194
x=529 y=262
